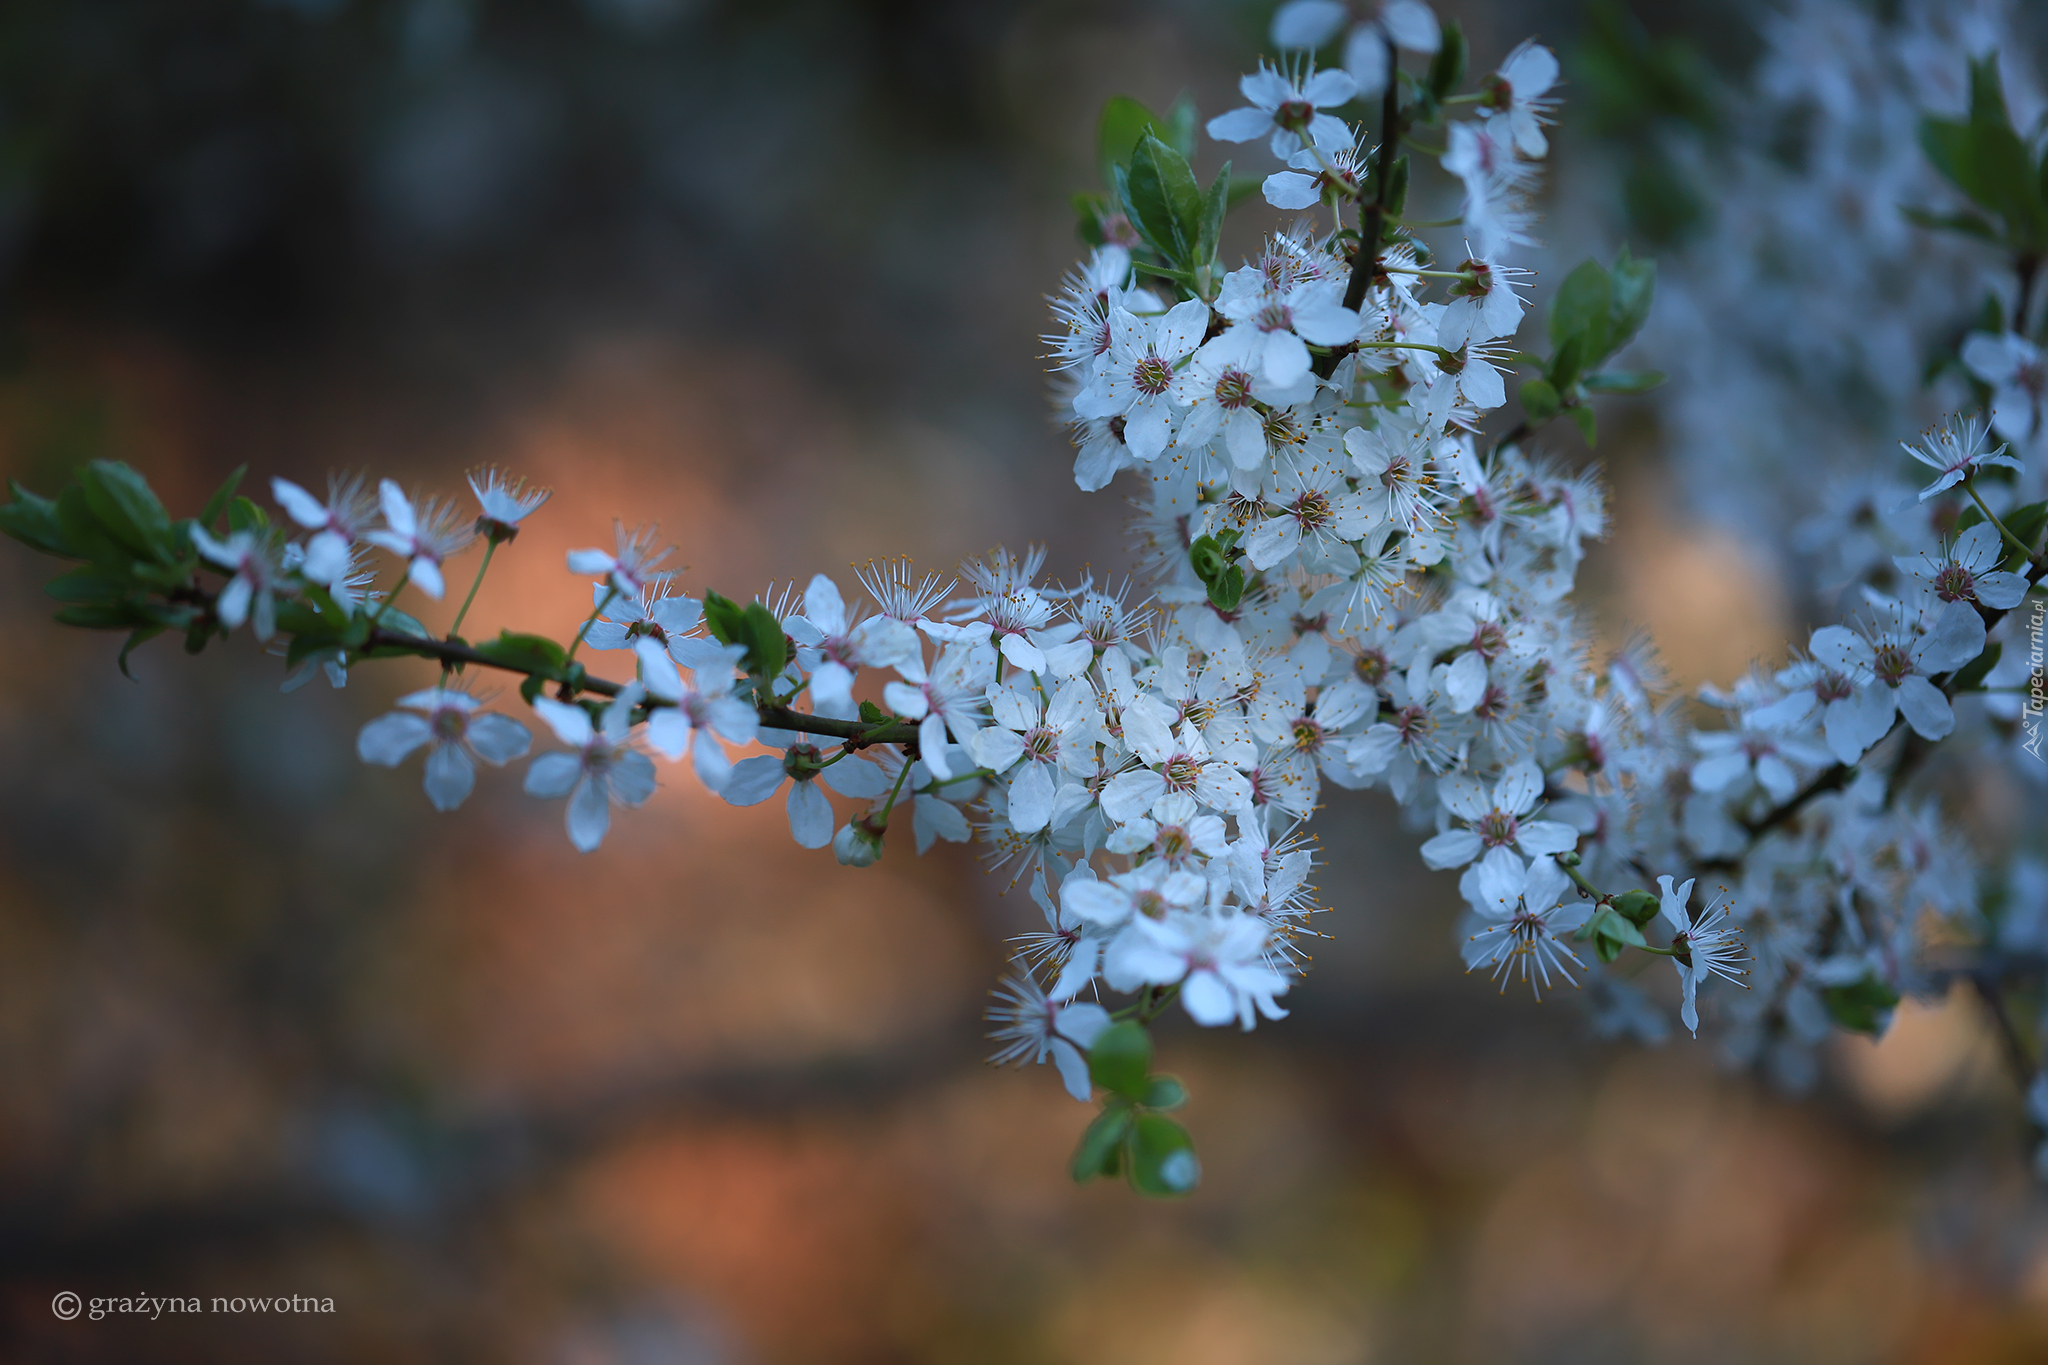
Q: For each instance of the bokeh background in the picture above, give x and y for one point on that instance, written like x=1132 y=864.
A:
x=772 y=275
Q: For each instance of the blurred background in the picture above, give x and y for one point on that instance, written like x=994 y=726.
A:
x=772 y=275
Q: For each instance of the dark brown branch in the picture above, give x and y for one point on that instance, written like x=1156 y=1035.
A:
x=857 y=734
x=1372 y=219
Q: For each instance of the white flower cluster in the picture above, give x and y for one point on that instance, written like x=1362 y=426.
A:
x=1799 y=329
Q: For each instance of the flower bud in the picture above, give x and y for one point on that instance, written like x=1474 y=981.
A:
x=857 y=844
x=1637 y=907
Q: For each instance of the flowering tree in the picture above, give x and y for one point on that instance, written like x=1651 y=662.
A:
x=1344 y=575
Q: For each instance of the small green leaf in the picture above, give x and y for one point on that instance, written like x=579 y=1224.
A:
x=724 y=619
x=218 y=503
x=1100 y=1147
x=91 y=584
x=244 y=515
x=1089 y=211
x=140 y=635
x=32 y=520
x=535 y=654
x=1123 y=122
x=1582 y=306
x=1120 y=1057
x=1638 y=907
x=1227 y=590
x=1215 y=204
x=104 y=616
x=122 y=501
x=1611 y=934
x=1447 y=68
x=1862 y=1006
x=1589 y=426
x=767 y=646
x=2026 y=523
x=1163 y=1160
x=1967 y=223
x=1622 y=381
x=1634 y=284
x=401 y=623
x=1397 y=198
x=1179 y=130
x=1162 y=199
x=1567 y=364
x=871 y=714
x=1163 y=1092
x=1539 y=399
x=82 y=530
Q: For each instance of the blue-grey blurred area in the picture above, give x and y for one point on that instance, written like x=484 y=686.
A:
x=772 y=274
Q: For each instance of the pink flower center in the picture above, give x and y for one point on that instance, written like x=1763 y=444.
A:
x=1234 y=389
x=1955 y=583
x=1152 y=376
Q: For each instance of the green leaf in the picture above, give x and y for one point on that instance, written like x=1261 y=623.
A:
x=1989 y=162
x=2026 y=523
x=1163 y=1092
x=767 y=646
x=535 y=654
x=1123 y=122
x=1582 y=306
x=1638 y=907
x=1089 y=211
x=1163 y=1160
x=1969 y=224
x=1100 y=1147
x=1179 y=131
x=1863 y=1006
x=32 y=520
x=1121 y=1056
x=1622 y=381
x=218 y=503
x=1589 y=426
x=1987 y=94
x=244 y=515
x=1447 y=68
x=104 y=616
x=140 y=635
x=81 y=528
x=1397 y=198
x=1227 y=590
x=122 y=502
x=1611 y=933
x=400 y=623
x=871 y=714
x=1567 y=364
x=1971 y=675
x=1162 y=199
x=91 y=584
x=724 y=619
x=1215 y=204
x=1635 y=284
x=1539 y=399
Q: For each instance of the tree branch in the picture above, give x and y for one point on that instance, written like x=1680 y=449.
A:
x=1372 y=219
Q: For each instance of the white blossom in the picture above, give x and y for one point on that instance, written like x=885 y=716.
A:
x=456 y=731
